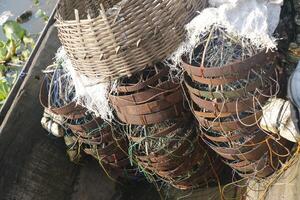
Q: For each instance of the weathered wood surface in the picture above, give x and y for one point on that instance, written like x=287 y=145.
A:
x=31 y=164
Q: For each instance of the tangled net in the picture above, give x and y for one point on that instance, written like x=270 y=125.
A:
x=228 y=81
x=164 y=142
x=83 y=131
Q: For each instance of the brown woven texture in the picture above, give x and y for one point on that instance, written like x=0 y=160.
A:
x=230 y=118
x=108 y=43
x=148 y=97
x=85 y=133
x=258 y=157
x=184 y=163
x=101 y=143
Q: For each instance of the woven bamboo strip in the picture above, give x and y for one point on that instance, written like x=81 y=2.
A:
x=107 y=45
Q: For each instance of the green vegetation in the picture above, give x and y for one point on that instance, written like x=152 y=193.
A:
x=42 y=14
x=14 y=52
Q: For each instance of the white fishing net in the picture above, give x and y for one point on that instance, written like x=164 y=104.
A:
x=89 y=93
x=252 y=19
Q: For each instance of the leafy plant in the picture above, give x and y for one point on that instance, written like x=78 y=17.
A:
x=5 y=88
x=7 y=50
x=17 y=41
x=42 y=14
x=36 y=2
x=13 y=30
x=14 y=52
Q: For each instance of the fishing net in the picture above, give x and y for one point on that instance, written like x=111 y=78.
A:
x=171 y=153
x=228 y=81
x=251 y=19
x=98 y=139
x=89 y=93
x=57 y=93
x=83 y=130
x=163 y=140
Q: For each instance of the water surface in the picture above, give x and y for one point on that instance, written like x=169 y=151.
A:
x=17 y=7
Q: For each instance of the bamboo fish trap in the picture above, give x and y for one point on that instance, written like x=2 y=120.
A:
x=226 y=94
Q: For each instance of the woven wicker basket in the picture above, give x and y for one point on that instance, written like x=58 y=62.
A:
x=108 y=39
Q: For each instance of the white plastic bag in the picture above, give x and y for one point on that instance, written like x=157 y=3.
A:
x=277 y=119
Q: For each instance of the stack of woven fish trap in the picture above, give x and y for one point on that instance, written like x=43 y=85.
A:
x=120 y=59
x=108 y=39
x=227 y=100
x=164 y=142
x=81 y=129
